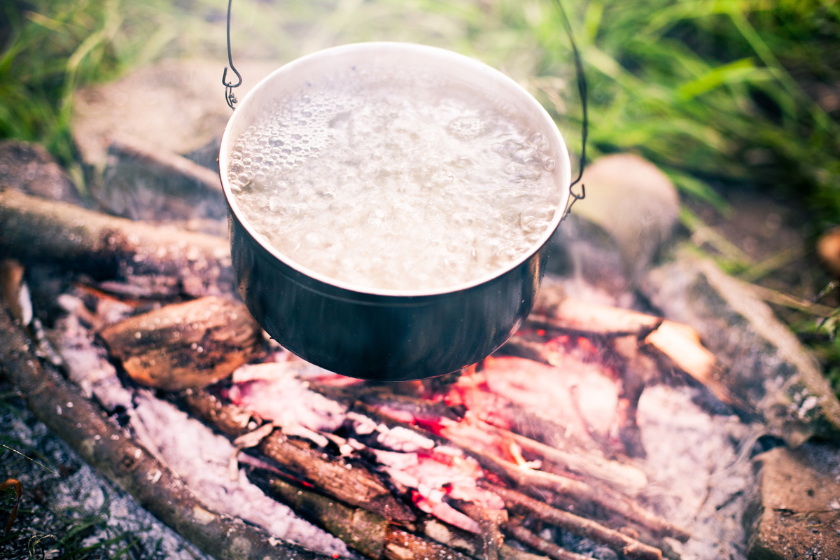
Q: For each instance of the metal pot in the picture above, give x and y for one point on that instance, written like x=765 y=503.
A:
x=386 y=335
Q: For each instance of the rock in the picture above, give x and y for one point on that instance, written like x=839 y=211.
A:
x=795 y=512
x=765 y=364
x=828 y=249
x=30 y=168
x=175 y=105
x=632 y=200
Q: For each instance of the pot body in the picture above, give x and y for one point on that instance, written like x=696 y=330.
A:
x=386 y=335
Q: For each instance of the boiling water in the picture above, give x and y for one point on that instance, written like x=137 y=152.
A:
x=395 y=184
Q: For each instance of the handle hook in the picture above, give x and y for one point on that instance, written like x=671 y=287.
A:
x=229 y=96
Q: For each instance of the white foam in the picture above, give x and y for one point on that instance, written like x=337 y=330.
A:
x=395 y=185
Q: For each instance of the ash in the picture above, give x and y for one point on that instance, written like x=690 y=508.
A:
x=201 y=458
x=72 y=507
x=699 y=470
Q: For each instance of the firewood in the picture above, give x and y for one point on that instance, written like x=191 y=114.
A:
x=403 y=545
x=368 y=532
x=168 y=162
x=106 y=448
x=525 y=536
x=578 y=491
x=580 y=526
x=183 y=345
x=680 y=343
x=626 y=478
x=360 y=529
x=350 y=483
x=105 y=247
x=146 y=182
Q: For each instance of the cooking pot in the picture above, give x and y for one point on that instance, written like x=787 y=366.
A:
x=387 y=335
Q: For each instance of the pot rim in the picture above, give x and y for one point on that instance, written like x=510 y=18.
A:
x=562 y=168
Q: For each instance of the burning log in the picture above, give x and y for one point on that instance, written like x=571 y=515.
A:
x=577 y=491
x=161 y=259
x=369 y=533
x=352 y=484
x=106 y=448
x=680 y=343
x=471 y=438
x=580 y=526
x=190 y=344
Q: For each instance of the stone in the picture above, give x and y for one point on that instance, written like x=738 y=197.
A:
x=175 y=105
x=794 y=514
x=764 y=363
x=30 y=168
x=828 y=250
x=635 y=202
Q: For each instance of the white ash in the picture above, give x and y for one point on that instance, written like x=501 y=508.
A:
x=698 y=475
x=201 y=458
x=77 y=498
x=273 y=391
x=84 y=494
x=87 y=364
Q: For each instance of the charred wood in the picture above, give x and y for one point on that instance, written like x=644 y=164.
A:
x=348 y=482
x=523 y=535
x=679 y=343
x=580 y=526
x=183 y=345
x=106 y=448
x=577 y=491
x=360 y=529
x=145 y=182
x=113 y=248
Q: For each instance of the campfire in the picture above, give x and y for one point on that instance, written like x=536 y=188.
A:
x=595 y=432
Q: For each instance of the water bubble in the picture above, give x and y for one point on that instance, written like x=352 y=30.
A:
x=549 y=164
x=276 y=142
x=466 y=128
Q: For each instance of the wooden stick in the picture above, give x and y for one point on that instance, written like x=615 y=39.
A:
x=525 y=536
x=578 y=491
x=355 y=485
x=360 y=529
x=130 y=466
x=105 y=247
x=169 y=163
x=580 y=526
x=191 y=344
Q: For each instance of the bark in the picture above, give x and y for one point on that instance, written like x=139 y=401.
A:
x=355 y=485
x=403 y=545
x=113 y=248
x=183 y=345
x=580 y=526
x=525 y=536
x=360 y=529
x=106 y=448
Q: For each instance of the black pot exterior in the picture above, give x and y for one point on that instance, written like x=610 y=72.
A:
x=381 y=337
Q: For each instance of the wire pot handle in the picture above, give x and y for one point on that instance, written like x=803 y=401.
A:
x=579 y=75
